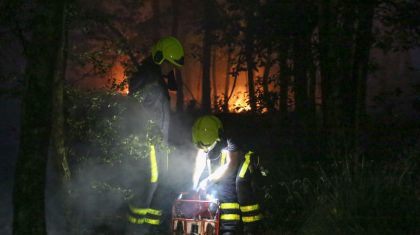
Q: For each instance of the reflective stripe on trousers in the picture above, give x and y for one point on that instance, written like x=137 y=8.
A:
x=251 y=219
x=144 y=216
x=232 y=205
x=230 y=216
x=230 y=211
x=251 y=213
x=143 y=211
x=135 y=220
x=154 y=173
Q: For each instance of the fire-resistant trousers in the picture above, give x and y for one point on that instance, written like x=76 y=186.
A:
x=249 y=207
x=230 y=217
x=144 y=212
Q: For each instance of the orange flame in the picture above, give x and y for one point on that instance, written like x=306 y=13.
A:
x=117 y=72
x=240 y=105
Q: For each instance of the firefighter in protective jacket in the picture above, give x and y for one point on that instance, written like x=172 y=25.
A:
x=230 y=179
x=144 y=211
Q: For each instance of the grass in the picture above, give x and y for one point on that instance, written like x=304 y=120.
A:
x=345 y=197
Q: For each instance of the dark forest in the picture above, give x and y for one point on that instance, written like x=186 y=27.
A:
x=325 y=93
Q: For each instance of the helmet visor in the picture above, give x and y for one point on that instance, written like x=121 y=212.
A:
x=158 y=57
x=206 y=147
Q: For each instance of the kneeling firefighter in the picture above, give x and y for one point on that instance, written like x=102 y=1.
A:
x=231 y=178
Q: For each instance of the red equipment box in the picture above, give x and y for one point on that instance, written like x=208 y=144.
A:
x=193 y=216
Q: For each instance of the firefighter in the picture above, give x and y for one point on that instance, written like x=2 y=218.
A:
x=231 y=179
x=144 y=212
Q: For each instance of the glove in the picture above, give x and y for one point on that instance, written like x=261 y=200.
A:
x=203 y=184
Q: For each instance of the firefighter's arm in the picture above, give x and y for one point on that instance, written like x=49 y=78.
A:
x=200 y=164
x=232 y=161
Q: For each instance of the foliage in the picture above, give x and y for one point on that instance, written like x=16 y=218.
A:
x=346 y=197
x=400 y=25
x=103 y=123
x=268 y=101
x=108 y=139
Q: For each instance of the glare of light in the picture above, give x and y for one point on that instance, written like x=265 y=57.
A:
x=211 y=196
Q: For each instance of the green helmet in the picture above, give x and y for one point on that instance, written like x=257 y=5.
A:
x=206 y=131
x=170 y=49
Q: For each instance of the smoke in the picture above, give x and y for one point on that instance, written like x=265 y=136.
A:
x=100 y=190
x=94 y=197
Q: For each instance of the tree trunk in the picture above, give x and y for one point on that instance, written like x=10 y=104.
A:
x=346 y=84
x=214 y=76
x=175 y=17
x=227 y=81
x=156 y=20
x=178 y=74
x=28 y=194
x=361 y=60
x=57 y=130
x=327 y=66
x=265 y=82
x=249 y=51
x=206 y=89
x=328 y=29
x=312 y=88
x=300 y=70
x=345 y=38
x=284 y=83
x=302 y=59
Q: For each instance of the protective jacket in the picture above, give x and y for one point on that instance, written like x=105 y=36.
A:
x=150 y=87
x=238 y=203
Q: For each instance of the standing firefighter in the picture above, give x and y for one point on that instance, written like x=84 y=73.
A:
x=231 y=179
x=147 y=84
